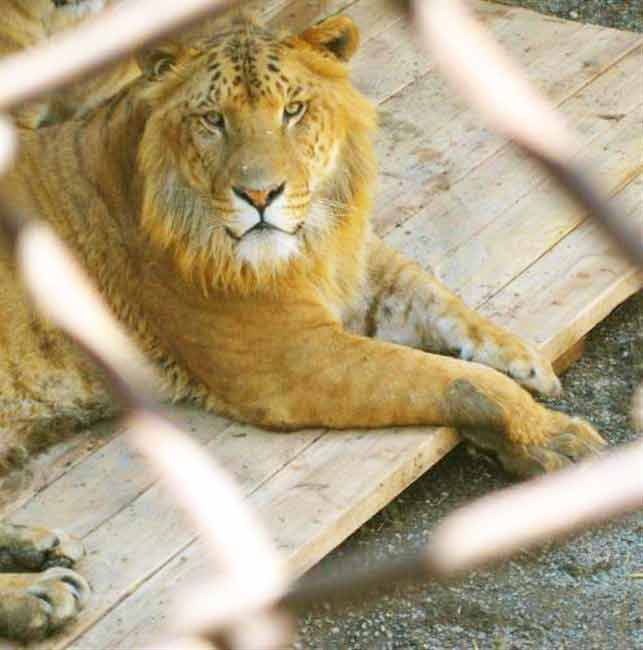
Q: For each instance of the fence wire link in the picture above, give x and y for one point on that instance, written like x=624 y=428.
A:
x=248 y=601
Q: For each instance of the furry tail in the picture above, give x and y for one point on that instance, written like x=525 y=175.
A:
x=22 y=441
x=19 y=442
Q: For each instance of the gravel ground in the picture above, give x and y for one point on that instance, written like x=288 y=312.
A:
x=581 y=594
x=622 y=14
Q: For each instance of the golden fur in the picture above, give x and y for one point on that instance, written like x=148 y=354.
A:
x=261 y=331
x=221 y=202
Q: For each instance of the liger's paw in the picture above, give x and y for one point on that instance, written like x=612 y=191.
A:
x=510 y=355
x=35 y=549
x=33 y=606
x=568 y=441
x=525 y=437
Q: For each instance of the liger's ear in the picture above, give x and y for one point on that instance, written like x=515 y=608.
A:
x=155 y=61
x=337 y=36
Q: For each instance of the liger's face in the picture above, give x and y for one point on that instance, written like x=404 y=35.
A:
x=256 y=136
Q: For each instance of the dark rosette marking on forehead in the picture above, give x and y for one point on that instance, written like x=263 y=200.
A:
x=243 y=53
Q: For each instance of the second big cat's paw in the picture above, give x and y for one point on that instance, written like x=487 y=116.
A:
x=35 y=605
x=35 y=549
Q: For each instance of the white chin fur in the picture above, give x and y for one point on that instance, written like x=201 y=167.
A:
x=267 y=250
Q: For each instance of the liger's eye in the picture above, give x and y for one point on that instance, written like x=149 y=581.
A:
x=293 y=110
x=213 y=120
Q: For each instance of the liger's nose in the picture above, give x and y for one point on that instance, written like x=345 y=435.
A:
x=260 y=199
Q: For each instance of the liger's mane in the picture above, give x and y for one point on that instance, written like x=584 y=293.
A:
x=177 y=217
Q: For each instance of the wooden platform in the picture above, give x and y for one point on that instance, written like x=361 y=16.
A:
x=452 y=195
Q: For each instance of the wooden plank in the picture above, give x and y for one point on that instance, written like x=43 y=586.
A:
x=430 y=238
x=79 y=501
x=48 y=467
x=304 y=502
x=440 y=123
x=560 y=297
x=533 y=225
x=393 y=59
x=421 y=174
x=372 y=18
x=297 y=15
x=562 y=364
x=297 y=506
x=149 y=531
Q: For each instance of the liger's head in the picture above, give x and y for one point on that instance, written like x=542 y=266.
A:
x=254 y=146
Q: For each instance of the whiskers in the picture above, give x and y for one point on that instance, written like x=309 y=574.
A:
x=323 y=216
x=334 y=204
x=196 y=229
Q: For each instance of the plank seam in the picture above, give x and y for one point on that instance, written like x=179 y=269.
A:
x=611 y=194
x=23 y=500
x=406 y=215
x=543 y=181
x=9 y=511
x=431 y=67
x=85 y=458
x=139 y=583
